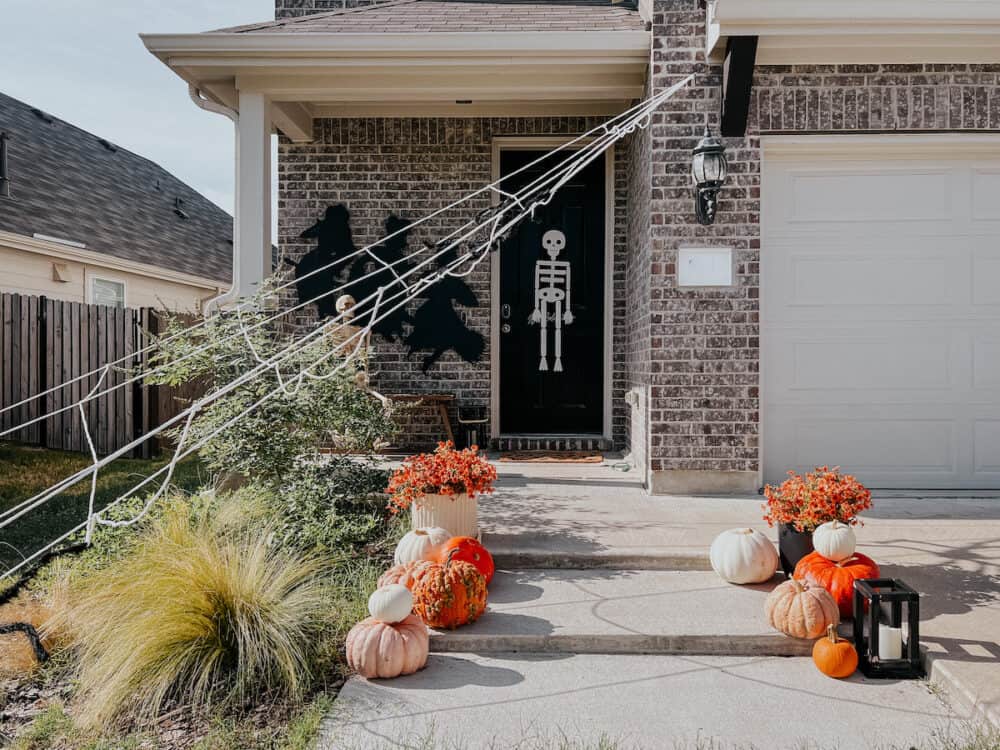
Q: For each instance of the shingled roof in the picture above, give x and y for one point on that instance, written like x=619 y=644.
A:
x=436 y=16
x=70 y=184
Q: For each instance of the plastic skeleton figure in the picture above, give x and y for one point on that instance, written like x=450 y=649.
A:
x=552 y=287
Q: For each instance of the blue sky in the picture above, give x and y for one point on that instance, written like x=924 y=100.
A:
x=82 y=61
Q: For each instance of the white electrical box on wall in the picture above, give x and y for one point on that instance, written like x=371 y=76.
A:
x=705 y=266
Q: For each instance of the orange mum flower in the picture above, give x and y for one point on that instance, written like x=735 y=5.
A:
x=446 y=471
x=822 y=495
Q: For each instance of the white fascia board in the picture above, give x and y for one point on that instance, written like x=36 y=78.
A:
x=338 y=44
x=859 y=31
x=61 y=251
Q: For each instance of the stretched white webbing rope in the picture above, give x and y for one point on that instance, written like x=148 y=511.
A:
x=612 y=132
x=610 y=126
x=29 y=504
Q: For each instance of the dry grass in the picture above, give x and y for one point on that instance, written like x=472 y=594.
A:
x=17 y=658
x=202 y=613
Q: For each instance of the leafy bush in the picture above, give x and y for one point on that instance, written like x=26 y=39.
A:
x=202 y=612
x=337 y=506
x=264 y=443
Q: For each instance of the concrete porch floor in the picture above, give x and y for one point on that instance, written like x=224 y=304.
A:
x=947 y=546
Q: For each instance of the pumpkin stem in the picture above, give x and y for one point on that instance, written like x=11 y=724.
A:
x=420 y=532
x=831 y=633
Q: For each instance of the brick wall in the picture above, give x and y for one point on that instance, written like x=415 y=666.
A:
x=413 y=167
x=704 y=404
x=291 y=8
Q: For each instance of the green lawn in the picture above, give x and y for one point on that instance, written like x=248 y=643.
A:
x=26 y=471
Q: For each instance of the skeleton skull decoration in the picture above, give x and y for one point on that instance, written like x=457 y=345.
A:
x=553 y=241
x=345 y=303
x=552 y=287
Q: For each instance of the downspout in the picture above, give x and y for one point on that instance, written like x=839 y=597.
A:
x=209 y=106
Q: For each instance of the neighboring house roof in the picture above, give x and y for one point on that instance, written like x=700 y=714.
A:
x=436 y=16
x=72 y=185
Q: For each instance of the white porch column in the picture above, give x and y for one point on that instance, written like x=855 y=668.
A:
x=253 y=194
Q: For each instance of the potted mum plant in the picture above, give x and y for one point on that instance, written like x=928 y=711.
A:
x=441 y=488
x=800 y=504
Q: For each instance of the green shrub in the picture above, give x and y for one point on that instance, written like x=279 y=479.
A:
x=201 y=613
x=264 y=444
x=336 y=506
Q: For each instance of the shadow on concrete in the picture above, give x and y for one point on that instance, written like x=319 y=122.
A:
x=446 y=672
x=947 y=589
x=961 y=649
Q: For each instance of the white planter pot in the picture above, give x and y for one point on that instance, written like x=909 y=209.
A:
x=456 y=513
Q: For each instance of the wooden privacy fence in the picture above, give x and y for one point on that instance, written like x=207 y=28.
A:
x=47 y=342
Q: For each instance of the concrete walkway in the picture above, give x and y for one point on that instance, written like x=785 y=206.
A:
x=947 y=547
x=564 y=702
x=605 y=623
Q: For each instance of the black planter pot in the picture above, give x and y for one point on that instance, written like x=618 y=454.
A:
x=792 y=546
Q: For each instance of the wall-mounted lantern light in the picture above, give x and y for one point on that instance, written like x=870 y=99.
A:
x=709 y=170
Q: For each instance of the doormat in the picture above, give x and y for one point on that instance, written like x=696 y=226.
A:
x=553 y=457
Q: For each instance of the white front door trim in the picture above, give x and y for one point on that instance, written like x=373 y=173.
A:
x=530 y=143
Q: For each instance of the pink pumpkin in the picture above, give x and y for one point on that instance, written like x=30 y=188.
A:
x=384 y=650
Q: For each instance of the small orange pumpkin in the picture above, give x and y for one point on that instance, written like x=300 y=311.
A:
x=470 y=550
x=834 y=656
x=450 y=594
x=837 y=577
x=405 y=573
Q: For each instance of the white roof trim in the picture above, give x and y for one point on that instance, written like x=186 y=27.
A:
x=393 y=44
x=859 y=31
x=62 y=251
x=423 y=72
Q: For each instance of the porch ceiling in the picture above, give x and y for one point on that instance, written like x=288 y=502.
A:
x=328 y=74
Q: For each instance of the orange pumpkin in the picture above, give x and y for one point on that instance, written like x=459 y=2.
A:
x=837 y=577
x=450 y=593
x=471 y=551
x=405 y=573
x=834 y=656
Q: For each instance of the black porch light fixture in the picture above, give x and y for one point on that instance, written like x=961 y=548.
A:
x=886 y=638
x=709 y=169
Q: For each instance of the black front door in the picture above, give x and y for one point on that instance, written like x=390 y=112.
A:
x=551 y=331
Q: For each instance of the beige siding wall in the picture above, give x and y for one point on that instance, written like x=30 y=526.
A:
x=32 y=273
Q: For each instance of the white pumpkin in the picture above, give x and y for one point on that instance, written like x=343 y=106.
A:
x=834 y=540
x=743 y=556
x=392 y=603
x=420 y=544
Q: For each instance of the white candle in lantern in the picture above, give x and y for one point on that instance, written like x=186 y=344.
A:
x=890 y=642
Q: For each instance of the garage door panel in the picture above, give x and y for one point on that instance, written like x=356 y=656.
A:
x=873 y=195
x=880 y=320
x=798 y=363
x=985 y=189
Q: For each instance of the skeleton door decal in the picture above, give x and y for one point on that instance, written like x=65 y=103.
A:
x=552 y=288
x=551 y=313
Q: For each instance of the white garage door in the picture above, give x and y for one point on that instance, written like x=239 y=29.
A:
x=880 y=310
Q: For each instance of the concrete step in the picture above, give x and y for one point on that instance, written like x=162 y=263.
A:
x=633 y=560
x=598 y=611
x=528 y=701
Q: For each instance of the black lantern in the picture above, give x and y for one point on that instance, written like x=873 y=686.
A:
x=887 y=639
x=709 y=169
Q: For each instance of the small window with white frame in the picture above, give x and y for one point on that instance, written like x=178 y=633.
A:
x=107 y=292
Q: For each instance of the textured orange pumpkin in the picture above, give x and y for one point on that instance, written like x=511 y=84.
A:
x=382 y=649
x=450 y=594
x=405 y=573
x=801 y=610
x=837 y=577
x=834 y=656
x=470 y=550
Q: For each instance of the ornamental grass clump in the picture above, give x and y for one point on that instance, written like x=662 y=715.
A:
x=446 y=471
x=201 y=613
x=823 y=495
